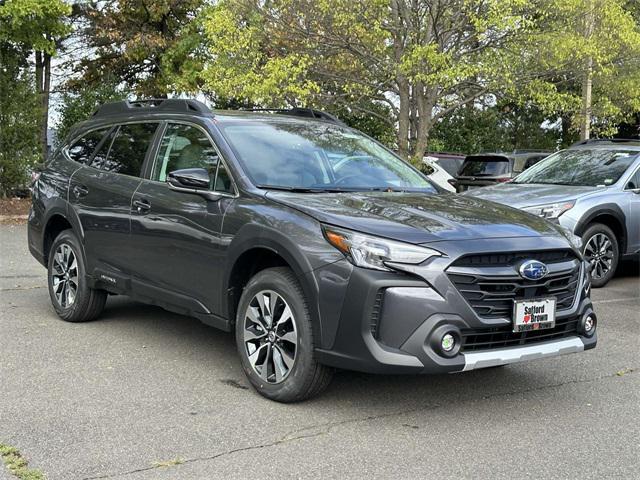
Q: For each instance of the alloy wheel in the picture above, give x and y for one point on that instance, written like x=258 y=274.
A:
x=64 y=275
x=270 y=336
x=598 y=251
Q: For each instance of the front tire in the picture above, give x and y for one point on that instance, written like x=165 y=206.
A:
x=602 y=252
x=274 y=338
x=71 y=296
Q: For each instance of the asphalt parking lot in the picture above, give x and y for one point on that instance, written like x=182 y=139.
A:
x=146 y=394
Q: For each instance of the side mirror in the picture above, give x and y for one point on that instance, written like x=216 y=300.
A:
x=192 y=180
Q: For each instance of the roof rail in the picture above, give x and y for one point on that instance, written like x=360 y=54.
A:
x=300 y=112
x=178 y=105
x=603 y=140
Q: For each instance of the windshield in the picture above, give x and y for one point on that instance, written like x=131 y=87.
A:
x=580 y=167
x=318 y=156
x=485 y=166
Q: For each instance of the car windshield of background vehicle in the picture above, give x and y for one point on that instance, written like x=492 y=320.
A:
x=484 y=166
x=450 y=165
x=580 y=167
x=314 y=156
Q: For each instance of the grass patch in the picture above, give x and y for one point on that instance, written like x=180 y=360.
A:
x=169 y=463
x=17 y=464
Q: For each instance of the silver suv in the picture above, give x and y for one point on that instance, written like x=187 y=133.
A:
x=593 y=190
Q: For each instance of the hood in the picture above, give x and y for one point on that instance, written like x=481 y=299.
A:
x=417 y=217
x=529 y=195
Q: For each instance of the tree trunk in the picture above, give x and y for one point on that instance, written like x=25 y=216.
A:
x=585 y=117
x=46 y=92
x=425 y=101
x=43 y=83
x=404 y=114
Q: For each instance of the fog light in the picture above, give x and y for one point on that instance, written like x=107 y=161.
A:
x=589 y=324
x=448 y=342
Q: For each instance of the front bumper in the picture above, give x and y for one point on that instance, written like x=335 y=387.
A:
x=504 y=356
x=391 y=323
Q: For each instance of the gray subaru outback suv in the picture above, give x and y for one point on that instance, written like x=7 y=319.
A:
x=593 y=190
x=316 y=245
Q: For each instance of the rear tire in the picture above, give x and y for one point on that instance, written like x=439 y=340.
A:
x=600 y=249
x=274 y=338
x=71 y=296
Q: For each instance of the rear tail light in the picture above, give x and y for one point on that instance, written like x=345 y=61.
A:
x=503 y=180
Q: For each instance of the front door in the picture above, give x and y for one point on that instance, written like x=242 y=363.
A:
x=632 y=211
x=178 y=261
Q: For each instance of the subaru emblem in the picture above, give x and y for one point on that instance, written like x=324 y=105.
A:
x=533 y=270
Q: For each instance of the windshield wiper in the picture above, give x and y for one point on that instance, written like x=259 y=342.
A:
x=302 y=189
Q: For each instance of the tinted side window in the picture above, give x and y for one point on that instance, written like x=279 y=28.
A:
x=81 y=150
x=128 y=149
x=223 y=180
x=185 y=146
x=634 y=181
x=100 y=157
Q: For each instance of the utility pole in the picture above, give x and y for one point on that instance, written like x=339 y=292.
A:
x=587 y=81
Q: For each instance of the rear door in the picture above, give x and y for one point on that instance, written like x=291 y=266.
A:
x=178 y=258
x=100 y=194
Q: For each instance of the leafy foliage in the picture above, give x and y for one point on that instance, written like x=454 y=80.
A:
x=130 y=38
x=19 y=113
x=78 y=105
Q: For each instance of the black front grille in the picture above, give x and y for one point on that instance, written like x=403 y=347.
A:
x=490 y=283
x=499 y=337
x=513 y=258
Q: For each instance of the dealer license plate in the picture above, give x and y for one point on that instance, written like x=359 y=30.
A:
x=535 y=314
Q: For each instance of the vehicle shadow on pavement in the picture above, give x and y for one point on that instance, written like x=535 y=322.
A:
x=208 y=352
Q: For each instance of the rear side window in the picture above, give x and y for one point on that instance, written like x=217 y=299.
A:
x=82 y=149
x=127 y=149
x=485 y=166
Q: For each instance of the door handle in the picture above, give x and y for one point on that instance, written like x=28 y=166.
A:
x=80 y=191
x=141 y=206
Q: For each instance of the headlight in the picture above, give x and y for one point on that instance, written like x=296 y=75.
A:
x=552 y=210
x=574 y=240
x=373 y=252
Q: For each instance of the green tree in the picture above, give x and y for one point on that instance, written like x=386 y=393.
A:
x=36 y=26
x=19 y=119
x=503 y=127
x=590 y=51
x=130 y=39
x=79 y=104
x=421 y=59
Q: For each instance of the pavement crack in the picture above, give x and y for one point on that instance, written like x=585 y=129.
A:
x=325 y=428
x=33 y=287
x=626 y=371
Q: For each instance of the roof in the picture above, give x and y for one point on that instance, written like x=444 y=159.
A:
x=512 y=155
x=634 y=143
x=194 y=107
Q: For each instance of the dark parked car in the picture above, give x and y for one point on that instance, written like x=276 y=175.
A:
x=316 y=245
x=486 y=169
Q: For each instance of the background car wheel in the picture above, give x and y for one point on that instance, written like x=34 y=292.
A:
x=274 y=338
x=71 y=297
x=601 y=251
